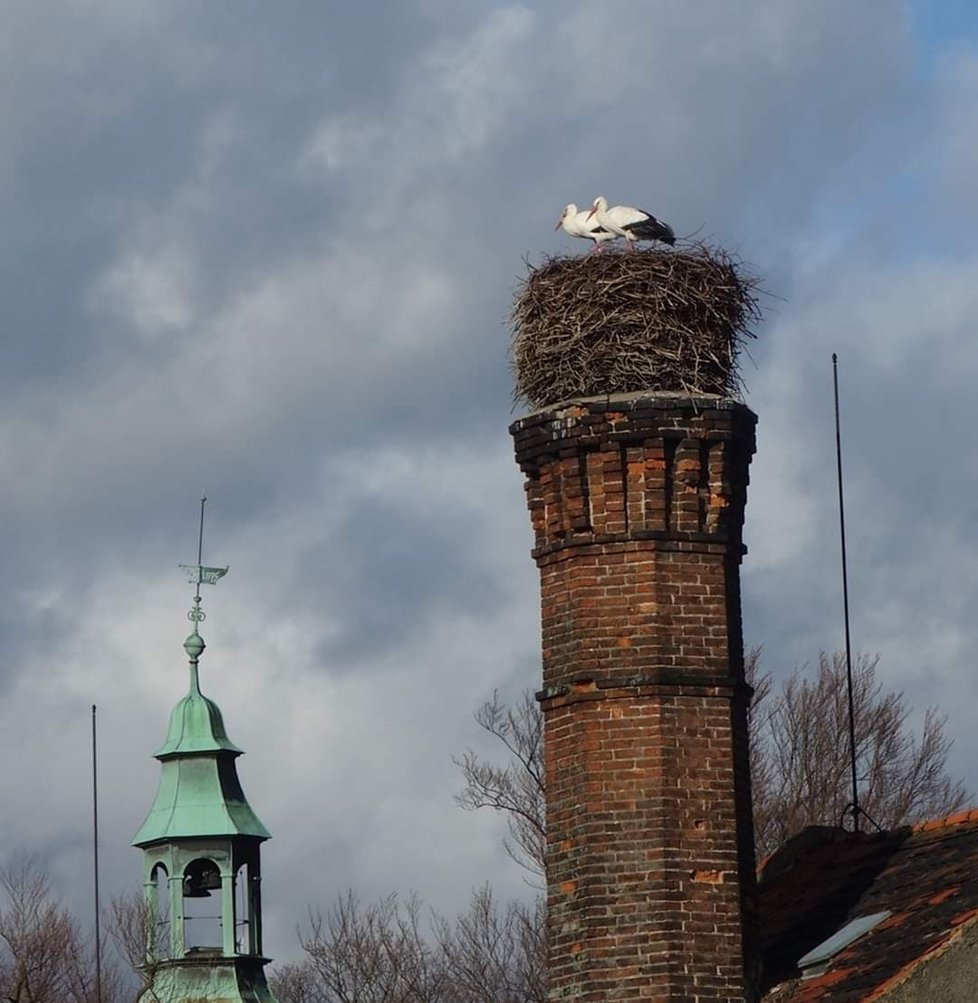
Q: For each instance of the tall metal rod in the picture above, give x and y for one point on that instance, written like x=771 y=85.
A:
x=200 y=544
x=845 y=600
x=98 y=908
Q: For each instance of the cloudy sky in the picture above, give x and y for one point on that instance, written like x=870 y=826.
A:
x=267 y=252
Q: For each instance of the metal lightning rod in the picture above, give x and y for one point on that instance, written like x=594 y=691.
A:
x=854 y=805
x=98 y=909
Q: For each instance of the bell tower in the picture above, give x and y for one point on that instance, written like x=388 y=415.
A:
x=201 y=854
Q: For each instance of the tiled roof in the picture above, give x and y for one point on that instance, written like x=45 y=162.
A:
x=927 y=875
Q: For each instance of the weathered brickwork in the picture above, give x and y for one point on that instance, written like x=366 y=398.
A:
x=637 y=505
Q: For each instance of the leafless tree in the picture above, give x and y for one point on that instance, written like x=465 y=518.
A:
x=799 y=758
x=137 y=934
x=800 y=753
x=293 y=983
x=44 y=957
x=385 y=953
x=516 y=786
x=378 y=953
x=496 y=954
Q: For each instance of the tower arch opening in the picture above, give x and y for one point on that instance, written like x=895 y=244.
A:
x=202 y=923
x=158 y=932
x=243 y=939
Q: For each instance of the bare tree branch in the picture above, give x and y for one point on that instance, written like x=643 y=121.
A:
x=384 y=953
x=44 y=957
x=138 y=936
x=800 y=753
x=377 y=953
x=293 y=983
x=496 y=955
x=517 y=787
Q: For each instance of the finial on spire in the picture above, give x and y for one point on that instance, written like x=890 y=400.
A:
x=197 y=574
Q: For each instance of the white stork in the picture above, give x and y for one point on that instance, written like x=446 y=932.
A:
x=630 y=223
x=580 y=224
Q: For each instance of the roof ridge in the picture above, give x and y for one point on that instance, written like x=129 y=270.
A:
x=948 y=821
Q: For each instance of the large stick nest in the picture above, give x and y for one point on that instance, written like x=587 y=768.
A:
x=628 y=321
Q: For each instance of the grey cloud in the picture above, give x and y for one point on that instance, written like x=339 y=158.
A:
x=385 y=574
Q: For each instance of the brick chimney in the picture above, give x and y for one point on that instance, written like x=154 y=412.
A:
x=637 y=504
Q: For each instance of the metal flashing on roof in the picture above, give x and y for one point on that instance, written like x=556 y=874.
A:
x=816 y=962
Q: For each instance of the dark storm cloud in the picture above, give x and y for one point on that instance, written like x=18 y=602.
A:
x=386 y=575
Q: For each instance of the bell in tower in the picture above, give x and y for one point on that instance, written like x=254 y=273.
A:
x=201 y=878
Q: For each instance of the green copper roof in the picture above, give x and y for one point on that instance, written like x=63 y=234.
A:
x=196 y=724
x=199 y=796
x=199 y=792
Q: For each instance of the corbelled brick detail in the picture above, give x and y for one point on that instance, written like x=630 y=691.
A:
x=637 y=505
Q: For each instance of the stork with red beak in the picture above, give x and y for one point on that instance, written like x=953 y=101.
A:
x=580 y=224
x=630 y=223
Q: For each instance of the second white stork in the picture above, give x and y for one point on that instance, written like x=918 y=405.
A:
x=580 y=224
x=630 y=223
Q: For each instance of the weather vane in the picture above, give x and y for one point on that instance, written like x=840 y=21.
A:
x=198 y=575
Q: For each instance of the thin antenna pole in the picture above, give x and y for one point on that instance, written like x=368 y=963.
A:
x=98 y=908
x=200 y=544
x=845 y=599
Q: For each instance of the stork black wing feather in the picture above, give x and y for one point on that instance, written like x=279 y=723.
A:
x=652 y=229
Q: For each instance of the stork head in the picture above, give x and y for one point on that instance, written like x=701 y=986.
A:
x=599 y=203
x=570 y=210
